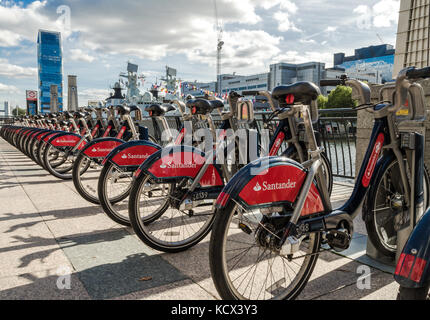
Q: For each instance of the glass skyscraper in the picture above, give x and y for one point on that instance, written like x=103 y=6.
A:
x=50 y=64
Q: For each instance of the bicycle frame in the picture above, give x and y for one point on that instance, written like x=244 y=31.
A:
x=309 y=201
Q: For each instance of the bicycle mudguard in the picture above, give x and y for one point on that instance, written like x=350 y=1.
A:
x=49 y=135
x=413 y=268
x=100 y=148
x=66 y=139
x=270 y=182
x=132 y=154
x=178 y=162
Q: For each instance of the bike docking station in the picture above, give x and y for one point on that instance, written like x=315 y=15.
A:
x=412 y=133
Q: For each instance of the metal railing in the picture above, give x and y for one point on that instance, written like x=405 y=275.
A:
x=338 y=128
x=6 y=121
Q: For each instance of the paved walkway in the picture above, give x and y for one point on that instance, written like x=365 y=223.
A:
x=47 y=229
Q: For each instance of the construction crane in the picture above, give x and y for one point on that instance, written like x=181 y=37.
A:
x=380 y=38
x=220 y=44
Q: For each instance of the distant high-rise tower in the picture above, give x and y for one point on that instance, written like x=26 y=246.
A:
x=6 y=108
x=72 y=95
x=413 y=36
x=53 y=108
x=50 y=64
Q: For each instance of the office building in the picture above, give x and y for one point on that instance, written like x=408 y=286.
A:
x=287 y=73
x=6 y=110
x=50 y=68
x=373 y=61
x=413 y=47
x=284 y=74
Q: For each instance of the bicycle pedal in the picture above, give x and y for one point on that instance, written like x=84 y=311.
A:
x=339 y=240
x=245 y=228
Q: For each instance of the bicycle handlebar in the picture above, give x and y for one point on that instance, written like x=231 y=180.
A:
x=332 y=83
x=266 y=94
x=418 y=73
x=250 y=93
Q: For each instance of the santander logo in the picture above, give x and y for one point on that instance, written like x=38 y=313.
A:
x=275 y=186
x=178 y=166
x=135 y=156
x=257 y=188
x=66 y=141
x=373 y=160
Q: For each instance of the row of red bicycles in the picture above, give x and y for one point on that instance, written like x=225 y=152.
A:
x=267 y=203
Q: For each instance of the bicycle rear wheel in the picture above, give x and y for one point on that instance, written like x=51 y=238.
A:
x=384 y=203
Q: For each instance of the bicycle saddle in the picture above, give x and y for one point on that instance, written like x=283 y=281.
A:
x=156 y=110
x=79 y=115
x=123 y=110
x=203 y=106
x=304 y=92
x=67 y=115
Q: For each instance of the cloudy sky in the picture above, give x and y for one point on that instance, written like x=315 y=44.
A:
x=100 y=36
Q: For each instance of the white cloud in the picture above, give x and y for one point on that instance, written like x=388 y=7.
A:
x=92 y=94
x=302 y=57
x=283 y=4
x=145 y=29
x=244 y=50
x=284 y=21
x=4 y=88
x=286 y=8
x=13 y=71
x=9 y=38
x=79 y=55
x=386 y=12
x=383 y=14
x=18 y=23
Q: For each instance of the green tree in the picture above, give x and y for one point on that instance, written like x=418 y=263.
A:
x=21 y=112
x=341 y=97
x=322 y=102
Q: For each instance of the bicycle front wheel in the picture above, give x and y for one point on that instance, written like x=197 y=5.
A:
x=245 y=266
x=414 y=294
x=160 y=225
x=86 y=173
x=113 y=188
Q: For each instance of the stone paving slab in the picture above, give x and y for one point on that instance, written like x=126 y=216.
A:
x=113 y=264
x=45 y=225
x=41 y=286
